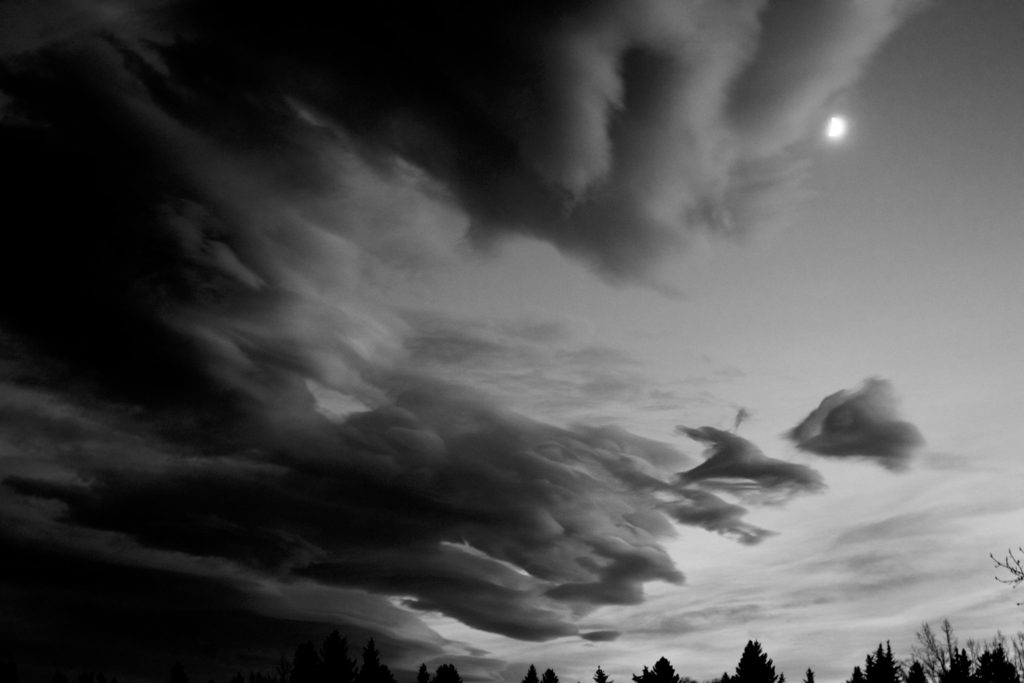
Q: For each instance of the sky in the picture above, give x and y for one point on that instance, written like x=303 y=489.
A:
x=507 y=333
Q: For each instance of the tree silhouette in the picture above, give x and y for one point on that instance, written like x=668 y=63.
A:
x=601 y=677
x=423 y=676
x=531 y=675
x=915 y=673
x=447 y=673
x=755 y=666
x=305 y=664
x=178 y=675
x=662 y=672
x=283 y=670
x=857 y=677
x=935 y=651
x=959 y=669
x=9 y=671
x=372 y=671
x=335 y=664
x=995 y=667
x=809 y=676
x=881 y=667
x=1012 y=564
x=549 y=676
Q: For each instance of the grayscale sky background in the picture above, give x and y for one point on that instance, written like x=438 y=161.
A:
x=436 y=325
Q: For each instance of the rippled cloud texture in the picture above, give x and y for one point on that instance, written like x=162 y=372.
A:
x=205 y=392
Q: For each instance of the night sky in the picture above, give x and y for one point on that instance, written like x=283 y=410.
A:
x=507 y=332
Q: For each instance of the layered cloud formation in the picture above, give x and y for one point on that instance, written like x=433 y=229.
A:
x=205 y=388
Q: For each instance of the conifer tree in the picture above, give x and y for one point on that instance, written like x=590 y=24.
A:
x=177 y=674
x=8 y=671
x=959 y=669
x=601 y=677
x=531 y=675
x=755 y=666
x=549 y=676
x=335 y=664
x=857 y=677
x=423 y=676
x=915 y=673
x=995 y=667
x=809 y=676
x=662 y=672
x=446 y=673
x=305 y=664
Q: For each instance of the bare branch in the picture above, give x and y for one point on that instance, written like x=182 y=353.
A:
x=1013 y=564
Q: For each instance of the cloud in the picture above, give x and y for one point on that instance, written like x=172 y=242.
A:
x=206 y=204
x=734 y=464
x=127 y=617
x=861 y=423
x=613 y=130
x=507 y=524
x=706 y=510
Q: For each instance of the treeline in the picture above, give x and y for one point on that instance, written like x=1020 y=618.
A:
x=936 y=657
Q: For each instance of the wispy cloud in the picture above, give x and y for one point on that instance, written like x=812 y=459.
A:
x=734 y=464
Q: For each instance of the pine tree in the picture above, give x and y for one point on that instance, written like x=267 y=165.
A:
x=423 y=676
x=335 y=664
x=178 y=674
x=601 y=677
x=881 y=667
x=857 y=677
x=531 y=675
x=662 y=672
x=755 y=666
x=809 y=676
x=446 y=673
x=305 y=664
x=915 y=674
x=959 y=669
x=372 y=671
x=994 y=667
x=549 y=676
x=8 y=671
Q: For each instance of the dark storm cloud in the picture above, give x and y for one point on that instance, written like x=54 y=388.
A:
x=70 y=609
x=498 y=521
x=610 y=129
x=734 y=464
x=202 y=204
x=860 y=423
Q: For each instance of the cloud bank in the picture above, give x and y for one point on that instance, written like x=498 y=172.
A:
x=204 y=389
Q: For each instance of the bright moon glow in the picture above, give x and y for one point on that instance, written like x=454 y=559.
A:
x=836 y=128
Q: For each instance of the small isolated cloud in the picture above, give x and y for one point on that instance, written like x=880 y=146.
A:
x=734 y=464
x=601 y=636
x=861 y=423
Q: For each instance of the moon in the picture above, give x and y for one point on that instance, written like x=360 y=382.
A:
x=836 y=128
